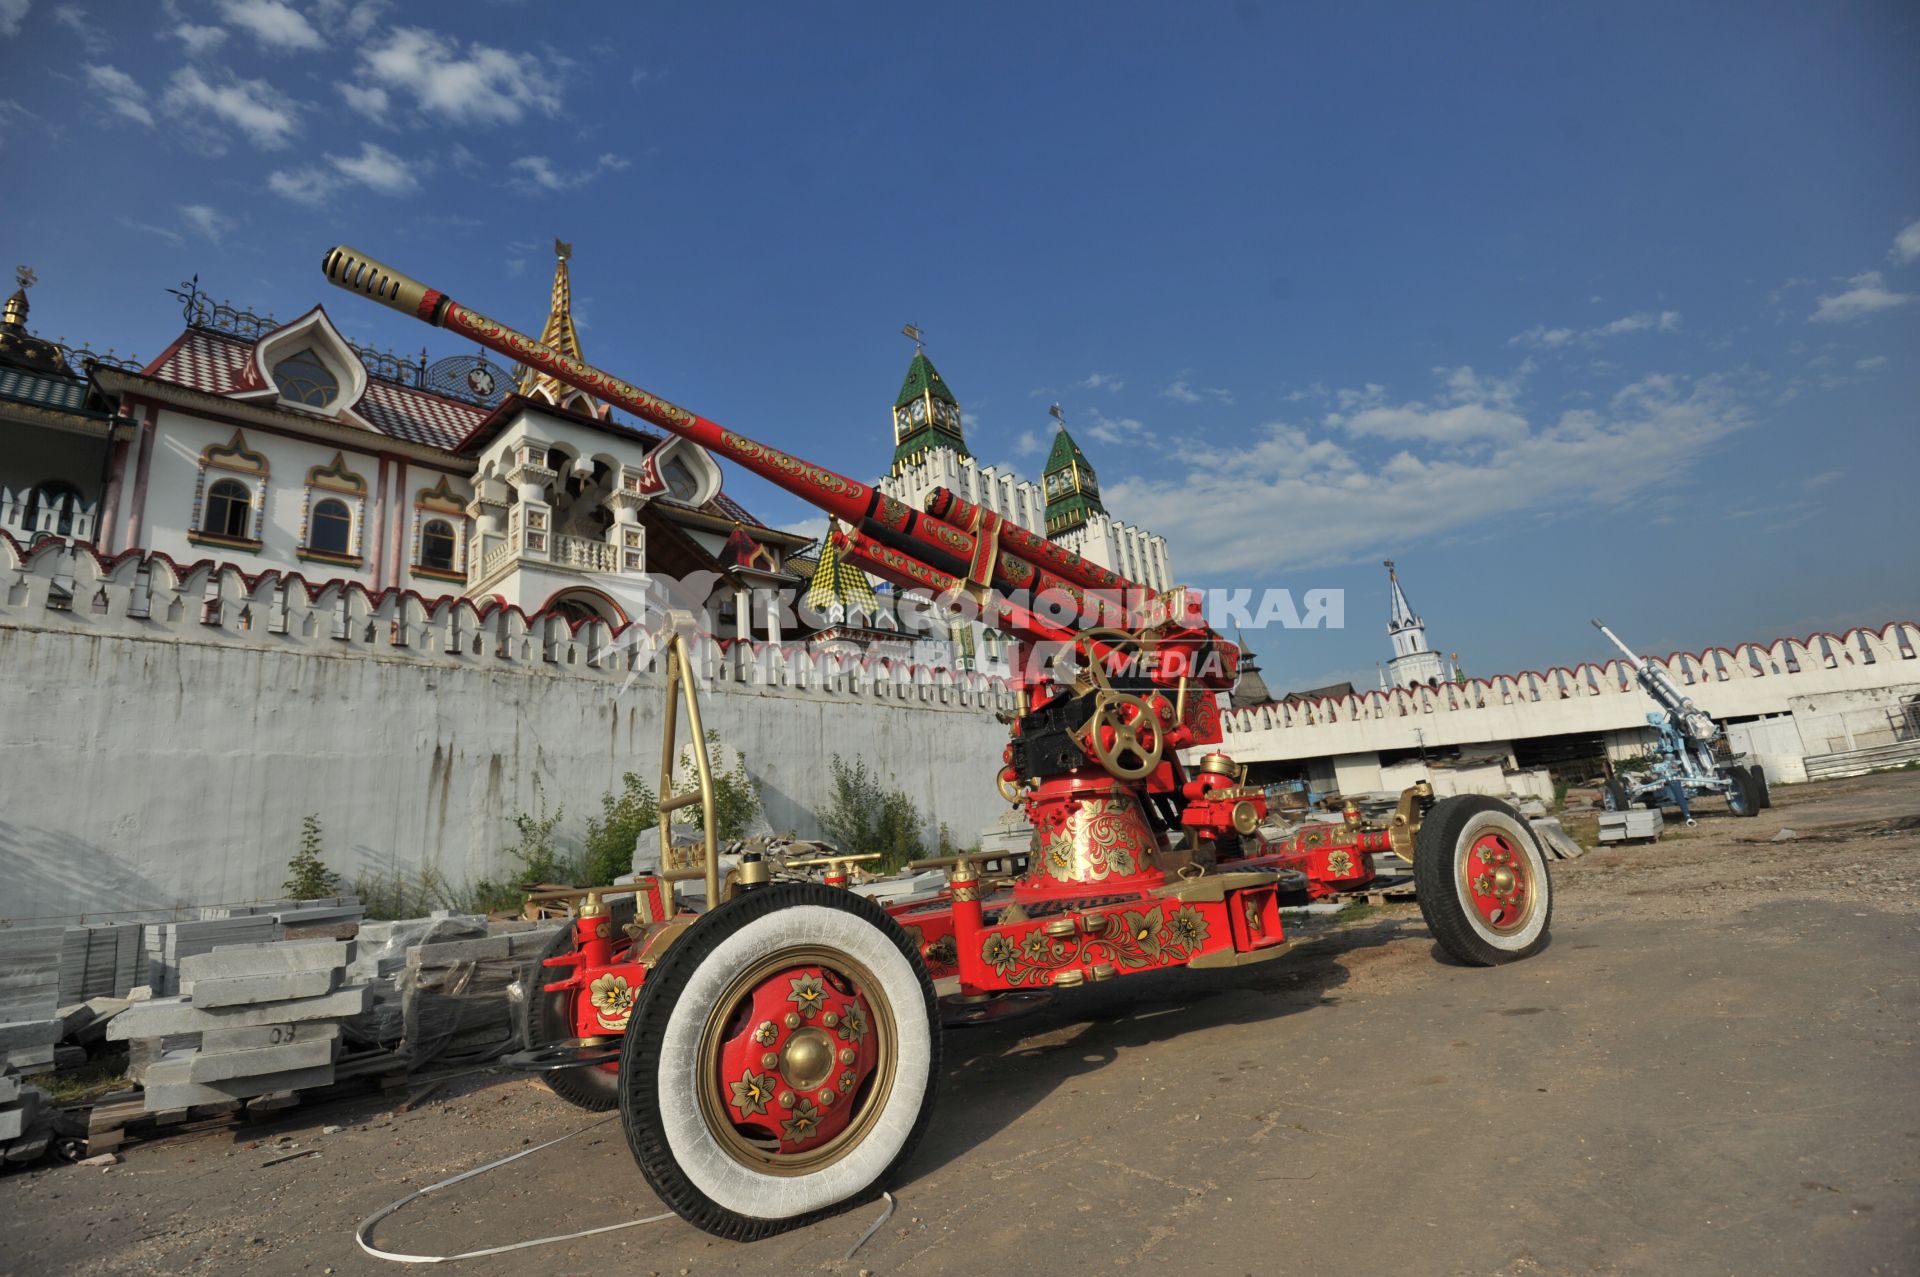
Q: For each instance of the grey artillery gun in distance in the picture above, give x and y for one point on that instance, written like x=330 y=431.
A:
x=1686 y=760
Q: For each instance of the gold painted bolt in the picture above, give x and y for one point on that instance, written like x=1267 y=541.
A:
x=846 y=1055
x=826 y=1097
x=769 y=1060
x=830 y=1019
x=793 y=1019
x=786 y=1099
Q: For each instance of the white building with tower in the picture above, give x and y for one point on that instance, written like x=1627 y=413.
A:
x=1413 y=664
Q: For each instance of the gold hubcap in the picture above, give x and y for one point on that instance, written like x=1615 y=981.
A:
x=807 y=1059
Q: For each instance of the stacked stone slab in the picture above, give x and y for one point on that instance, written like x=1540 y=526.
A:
x=168 y=944
x=99 y=962
x=24 y=1129
x=29 y=997
x=268 y=1018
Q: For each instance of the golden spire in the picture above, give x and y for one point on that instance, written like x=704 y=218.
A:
x=561 y=335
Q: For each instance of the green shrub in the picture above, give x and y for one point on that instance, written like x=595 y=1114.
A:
x=736 y=795
x=864 y=816
x=611 y=838
x=309 y=876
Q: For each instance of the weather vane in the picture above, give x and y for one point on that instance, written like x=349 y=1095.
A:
x=562 y=249
x=25 y=275
x=1059 y=417
x=911 y=331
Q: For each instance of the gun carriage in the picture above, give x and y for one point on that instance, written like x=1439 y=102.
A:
x=773 y=1051
x=1686 y=759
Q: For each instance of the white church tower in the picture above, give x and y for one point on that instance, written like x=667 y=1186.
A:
x=1413 y=662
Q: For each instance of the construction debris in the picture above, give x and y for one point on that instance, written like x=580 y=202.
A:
x=1555 y=840
x=1632 y=825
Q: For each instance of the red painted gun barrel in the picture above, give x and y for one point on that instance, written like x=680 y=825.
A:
x=946 y=504
x=887 y=519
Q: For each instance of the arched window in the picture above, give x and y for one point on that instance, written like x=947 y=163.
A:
x=303 y=379
x=330 y=529
x=53 y=495
x=229 y=510
x=680 y=481
x=436 y=545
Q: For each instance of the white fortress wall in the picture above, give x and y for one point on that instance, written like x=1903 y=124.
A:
x=170 y=726
x=1750 y=681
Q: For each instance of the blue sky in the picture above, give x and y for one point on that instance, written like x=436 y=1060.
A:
x=1567 y=311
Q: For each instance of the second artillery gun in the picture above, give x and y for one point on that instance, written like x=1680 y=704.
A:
x=773 y=1052
x=1686 y=759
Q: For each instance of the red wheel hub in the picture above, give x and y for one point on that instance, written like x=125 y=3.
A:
x=796 y=1058
x=1499 y=882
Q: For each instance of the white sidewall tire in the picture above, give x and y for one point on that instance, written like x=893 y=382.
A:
x=1521 y=836
x=727 y=1182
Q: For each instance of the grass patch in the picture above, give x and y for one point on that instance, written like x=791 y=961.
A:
x=90 y=1081
x=1352 y=912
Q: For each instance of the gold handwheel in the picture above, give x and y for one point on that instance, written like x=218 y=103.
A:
x=1127 y=756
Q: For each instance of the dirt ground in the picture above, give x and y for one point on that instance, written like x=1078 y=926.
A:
x=1711 y=1069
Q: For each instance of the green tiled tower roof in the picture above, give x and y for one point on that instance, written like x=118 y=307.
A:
x=925 y=415
x=1072 y=489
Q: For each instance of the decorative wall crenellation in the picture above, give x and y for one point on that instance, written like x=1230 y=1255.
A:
x=57 y=585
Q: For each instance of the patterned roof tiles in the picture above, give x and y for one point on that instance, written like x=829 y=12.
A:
x=418 y=417
x=205 y=361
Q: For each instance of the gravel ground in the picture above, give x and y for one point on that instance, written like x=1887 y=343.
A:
x=1710 y=1070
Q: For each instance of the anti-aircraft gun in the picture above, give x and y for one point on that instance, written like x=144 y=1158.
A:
x=773 y=1052
x=1686 y=759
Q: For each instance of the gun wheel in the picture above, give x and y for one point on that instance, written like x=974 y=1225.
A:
x=1481 y=881
x=781 y=1061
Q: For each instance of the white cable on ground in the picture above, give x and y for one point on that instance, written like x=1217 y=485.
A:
x=873 y=1228
x=363 y=1233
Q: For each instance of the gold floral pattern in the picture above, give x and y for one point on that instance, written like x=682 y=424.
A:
x=766 y=1033
x=1129 y=939
x=1102 y=836
x=808 y=995
x=943 y=953
x=853 y=1023
x=612 y=999
x=752 y=1093
x=1000 y=953
x=1186 y=929
x=803 y=1125
x=1340 y=863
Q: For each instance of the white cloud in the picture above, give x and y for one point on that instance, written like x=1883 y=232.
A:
x=537 y=173
x=1540 y=337
x=1906 y=245
x=1126 y=430
x=375 y=168
x=1870 y=363
x=815 y=528
x=1866 y=293
x=1181 y=392
x=352 y=20
x=198 y=39
x=482 y=86
x=267 y=117
x=1822 y=479
x=12 y=14
x=1103 y=381
x=172 y=237
x=1320 y=503
x=274 y=24
x=369 y=100
x=205 y=220
x=75 y=19
x=1028 y=443
x=1468 y=408
x=120 y=92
